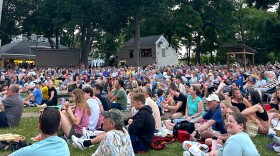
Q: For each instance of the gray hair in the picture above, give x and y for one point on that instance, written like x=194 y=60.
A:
x=14 y=88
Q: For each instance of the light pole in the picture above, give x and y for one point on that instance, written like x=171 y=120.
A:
x=1 y=6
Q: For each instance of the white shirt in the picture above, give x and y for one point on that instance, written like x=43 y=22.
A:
x=213 y=80
x=94 y=109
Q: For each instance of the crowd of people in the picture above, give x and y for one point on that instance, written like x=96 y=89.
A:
x=217 y=99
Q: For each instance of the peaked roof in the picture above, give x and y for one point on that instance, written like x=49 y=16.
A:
x=240 y=48
x=149 y=40
x=25 y=47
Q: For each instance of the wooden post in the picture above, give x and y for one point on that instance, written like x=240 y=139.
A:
x=228 y=59
x=254 y=59
x=244 y=53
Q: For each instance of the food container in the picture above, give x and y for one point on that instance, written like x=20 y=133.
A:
x=277 y=131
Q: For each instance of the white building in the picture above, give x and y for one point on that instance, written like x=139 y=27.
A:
x=152 y=49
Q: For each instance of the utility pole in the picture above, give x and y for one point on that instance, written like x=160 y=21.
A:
x=1 y=6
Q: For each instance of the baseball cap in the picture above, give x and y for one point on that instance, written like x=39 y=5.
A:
x=116 y=116
x=212 y=97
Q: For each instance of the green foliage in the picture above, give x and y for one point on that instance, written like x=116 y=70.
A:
x=202 y=25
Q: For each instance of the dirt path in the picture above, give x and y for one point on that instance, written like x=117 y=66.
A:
x=125 y=113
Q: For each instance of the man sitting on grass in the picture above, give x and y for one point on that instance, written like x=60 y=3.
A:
x=214 y=125
x=115 y=139
x=34 y=98
x=51 y=144
x=11 y=107
x=142 y=125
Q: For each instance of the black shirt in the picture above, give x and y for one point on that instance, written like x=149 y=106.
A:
x=55 y=97
x=263 y=115
x=105 y=101
x=183 y=99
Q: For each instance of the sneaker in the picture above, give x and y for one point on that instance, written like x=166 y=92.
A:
x=87 y=134
x=78 y=142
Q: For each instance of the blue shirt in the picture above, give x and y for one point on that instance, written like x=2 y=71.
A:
x=159 y=101
x=193 y=105
x=38 y=96
x=51 y=146
x=217 y=116
x=239 y=144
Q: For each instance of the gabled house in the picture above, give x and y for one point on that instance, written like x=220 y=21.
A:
x=37 y=50
x=153 y=49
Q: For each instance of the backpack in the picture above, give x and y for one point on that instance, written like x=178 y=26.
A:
x=183 y=125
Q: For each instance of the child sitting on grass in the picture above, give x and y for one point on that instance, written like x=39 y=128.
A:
x=160 y=94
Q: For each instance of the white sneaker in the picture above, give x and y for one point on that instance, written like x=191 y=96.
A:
x=78 y=142
x=87 y=134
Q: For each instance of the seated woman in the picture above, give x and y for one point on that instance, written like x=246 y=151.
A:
x=272 y=82
x=239 y=143
x=72 y=123
x=274 y=112
x=257 y=113
x=193 y=110
x=238 y=100
x=53 y=98
x=180 y=107
x=275 y=101
x=250 y=83
x=260 y=81
x=226 y=108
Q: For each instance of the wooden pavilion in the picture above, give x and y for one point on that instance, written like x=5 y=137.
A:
x=242 y=50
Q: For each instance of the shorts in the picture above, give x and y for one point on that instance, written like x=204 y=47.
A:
x=73 y=132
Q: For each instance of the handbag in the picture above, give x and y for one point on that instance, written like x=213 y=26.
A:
x=183 y=135
x=183 y=125
x=252 y=128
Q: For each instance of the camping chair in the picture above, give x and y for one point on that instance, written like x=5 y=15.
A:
x=268 y=94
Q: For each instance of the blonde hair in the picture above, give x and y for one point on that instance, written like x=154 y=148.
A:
x=81 y=101
x=134 y=84
x=226 y=103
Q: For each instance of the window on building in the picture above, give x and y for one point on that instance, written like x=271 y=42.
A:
x=163 y=52
x=146 y=52
x=131 y=53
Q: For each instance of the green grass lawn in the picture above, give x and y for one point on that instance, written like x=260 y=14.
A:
x=28 y=128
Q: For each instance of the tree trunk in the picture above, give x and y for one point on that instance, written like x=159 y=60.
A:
x=86 y=43
x=137 y=38
x=56 y=39
x=51 y=42
x=82 y=41
x=189 y=52
x=211 y=56
x=197 y=53
x=241 y=23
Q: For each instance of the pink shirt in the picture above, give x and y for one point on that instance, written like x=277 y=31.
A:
x=84 y=120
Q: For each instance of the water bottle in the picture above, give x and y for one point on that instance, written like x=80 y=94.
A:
x=62 y=101
x=214 y=143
